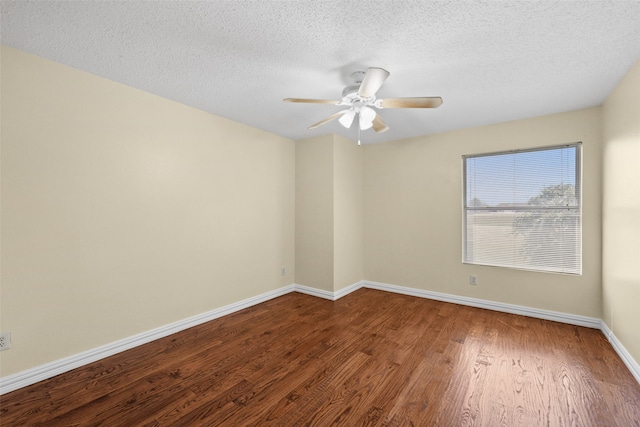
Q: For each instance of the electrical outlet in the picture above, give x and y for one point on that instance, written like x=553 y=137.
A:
x=283 y=271
x=5 y=341
x=473 y=280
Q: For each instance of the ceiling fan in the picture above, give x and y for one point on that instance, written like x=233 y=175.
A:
x=360 y=98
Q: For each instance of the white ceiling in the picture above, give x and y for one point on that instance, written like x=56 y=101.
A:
x=491 y=61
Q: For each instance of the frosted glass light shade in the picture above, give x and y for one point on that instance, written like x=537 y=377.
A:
x=347 y=118
x=366 y=117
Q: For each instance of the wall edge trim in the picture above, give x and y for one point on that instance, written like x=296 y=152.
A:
x=556 y=316
x=626 y=357
x=332 y=296
x=320 y=293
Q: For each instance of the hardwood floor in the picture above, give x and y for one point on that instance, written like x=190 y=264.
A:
x=370 y=358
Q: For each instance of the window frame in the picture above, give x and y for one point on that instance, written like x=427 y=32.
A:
x=523 y=208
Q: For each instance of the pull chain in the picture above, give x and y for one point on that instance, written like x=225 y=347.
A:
x=359 y=135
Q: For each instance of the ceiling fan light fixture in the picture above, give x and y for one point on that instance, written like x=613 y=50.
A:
x=359 y=98
x=347 y=118
x=367 y=115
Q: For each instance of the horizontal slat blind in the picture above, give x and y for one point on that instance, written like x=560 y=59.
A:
x=523 y=210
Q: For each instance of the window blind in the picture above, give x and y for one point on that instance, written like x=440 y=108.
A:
x=522 y=209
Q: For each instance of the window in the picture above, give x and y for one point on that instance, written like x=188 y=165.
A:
x=522 y=209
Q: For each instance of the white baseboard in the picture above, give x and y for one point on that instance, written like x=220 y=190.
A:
x=320 y=293
x=347 y=290
x=48 y=370
x=626 y=357
x=42 y=372
x=573 y=319
x=328 y=294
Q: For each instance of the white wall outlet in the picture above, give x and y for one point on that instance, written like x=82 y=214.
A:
x=473 y=280
x=283 y=271
x=5 y=341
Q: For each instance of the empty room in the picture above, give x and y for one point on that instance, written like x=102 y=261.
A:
x=313 y=213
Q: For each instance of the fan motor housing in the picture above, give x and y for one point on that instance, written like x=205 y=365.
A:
x=350 y=89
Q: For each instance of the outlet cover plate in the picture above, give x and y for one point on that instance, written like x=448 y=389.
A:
x=5 y=341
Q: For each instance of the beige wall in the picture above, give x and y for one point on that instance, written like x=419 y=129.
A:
x=123 y=211
x=413 y=221
x=621 y=211
x=348 y=211
x=329 y=211
x=314 y=212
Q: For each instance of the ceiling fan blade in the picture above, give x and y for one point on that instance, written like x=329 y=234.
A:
x=379 y=125
x=312 y=101
x=372 y=81
x=328 y=119
x=419 y=102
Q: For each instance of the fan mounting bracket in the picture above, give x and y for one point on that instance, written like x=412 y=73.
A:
x=358 y=76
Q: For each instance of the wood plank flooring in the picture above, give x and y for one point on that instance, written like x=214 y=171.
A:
x=371 y=358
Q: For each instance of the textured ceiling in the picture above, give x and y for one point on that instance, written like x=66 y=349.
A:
x=490 y=61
